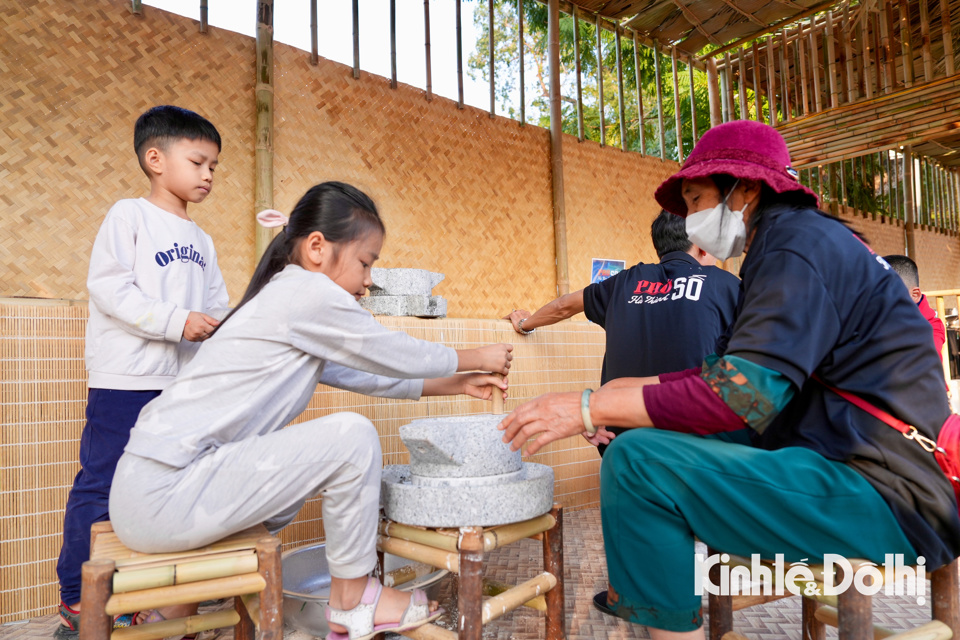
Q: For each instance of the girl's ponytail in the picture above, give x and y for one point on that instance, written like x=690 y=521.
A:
x=340 y=212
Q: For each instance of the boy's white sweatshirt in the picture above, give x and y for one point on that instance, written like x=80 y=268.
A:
x=261 y=368
x=148 y=270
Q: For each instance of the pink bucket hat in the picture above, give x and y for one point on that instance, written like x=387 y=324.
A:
x=742 y=149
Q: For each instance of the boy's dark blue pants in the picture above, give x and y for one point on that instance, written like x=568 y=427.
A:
x=111 y=415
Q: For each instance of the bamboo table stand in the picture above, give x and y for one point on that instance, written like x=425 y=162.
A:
x=118 y=580
x=461 y=551
x=850 y=611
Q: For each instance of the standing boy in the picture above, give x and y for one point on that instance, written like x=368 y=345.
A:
x=155 y=293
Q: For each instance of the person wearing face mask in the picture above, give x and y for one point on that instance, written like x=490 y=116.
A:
x=819 y=475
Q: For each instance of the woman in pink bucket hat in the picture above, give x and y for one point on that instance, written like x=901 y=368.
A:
x=752 y=452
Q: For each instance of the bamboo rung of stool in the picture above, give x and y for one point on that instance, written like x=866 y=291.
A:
x=495 y=588
x=185 y=594
x=245 y=566
x=183 y=573
x=462 y=551
x=429 y=632
x=178 y=626
x=510 y=599
x=420 y=553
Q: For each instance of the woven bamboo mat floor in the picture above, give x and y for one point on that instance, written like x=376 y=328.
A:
x=585 y=575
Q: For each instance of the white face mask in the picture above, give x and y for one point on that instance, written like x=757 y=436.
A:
x=719 y=231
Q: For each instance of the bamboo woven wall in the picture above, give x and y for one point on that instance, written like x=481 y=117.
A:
x=43 y=399
x=938 y=256
x=613 y=222
x=461 y=193
x=74 y=78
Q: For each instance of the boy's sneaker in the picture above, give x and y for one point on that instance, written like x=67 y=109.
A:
x=69 y=627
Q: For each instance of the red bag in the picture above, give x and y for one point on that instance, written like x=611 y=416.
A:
x=946 y=449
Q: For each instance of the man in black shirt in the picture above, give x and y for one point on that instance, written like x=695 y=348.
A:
x=659 y=318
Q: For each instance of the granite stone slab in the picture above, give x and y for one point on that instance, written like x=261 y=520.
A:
x=459 y=447
x=418 y=306
x=484 y=502
x=403 y=282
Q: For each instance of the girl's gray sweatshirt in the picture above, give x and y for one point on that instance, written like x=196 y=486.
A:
x=260 y=369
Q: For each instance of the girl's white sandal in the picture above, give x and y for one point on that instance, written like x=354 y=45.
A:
x=359 y=621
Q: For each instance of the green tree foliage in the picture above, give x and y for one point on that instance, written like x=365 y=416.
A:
x=506 y=70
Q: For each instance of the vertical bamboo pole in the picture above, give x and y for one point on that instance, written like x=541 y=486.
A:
x=819 y=182
x=726 y=78
x=948 y=61
x=263 y=188
x=815 y=67
x=925 y=41
x=843 y=47
x=847 y=32
x=941 y=202
x=693 y=108
x=576 y=55
x=771 y=85
x=890 y=65
x=881 y=76
x=742 y=84
x=427 y=55
x=895 y=183
x=636 y=69
x=523 y=100
x=271 y=598
x=659 y=81
x=757 y=98
x=470 y=594
x=713 y=93
x=906 y=39
x=832 y=84
x=204 y=13
x=356 y=39
x=804 y=93
x=843 y=184
x=459 y=54
x=393 y=44
x=556 y=147
x=866 y=74
x=623 y=110
x=314 y=48
x=676 y=104
x=603 y=123
x=553 y=563
x=757 y=82
x=885 y=187
x=491 y=68
x=785 y=76
x=955 y=196
x=834 y=188
x=909 y=210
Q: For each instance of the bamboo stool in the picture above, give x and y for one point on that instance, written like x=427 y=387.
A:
x=245 y=566
x=461 y=551
x=850 y=612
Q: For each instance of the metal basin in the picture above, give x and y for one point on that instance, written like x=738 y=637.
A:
x=306 y=586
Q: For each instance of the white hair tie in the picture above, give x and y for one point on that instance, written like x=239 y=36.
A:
x=270 y=218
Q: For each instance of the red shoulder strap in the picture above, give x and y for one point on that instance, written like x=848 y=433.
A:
x=879 y=414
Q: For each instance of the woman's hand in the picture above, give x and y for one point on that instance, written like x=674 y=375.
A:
x=515 y=317
x=602 y=436
x=547 y=418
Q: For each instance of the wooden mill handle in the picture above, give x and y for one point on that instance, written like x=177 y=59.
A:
x=497 y=397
